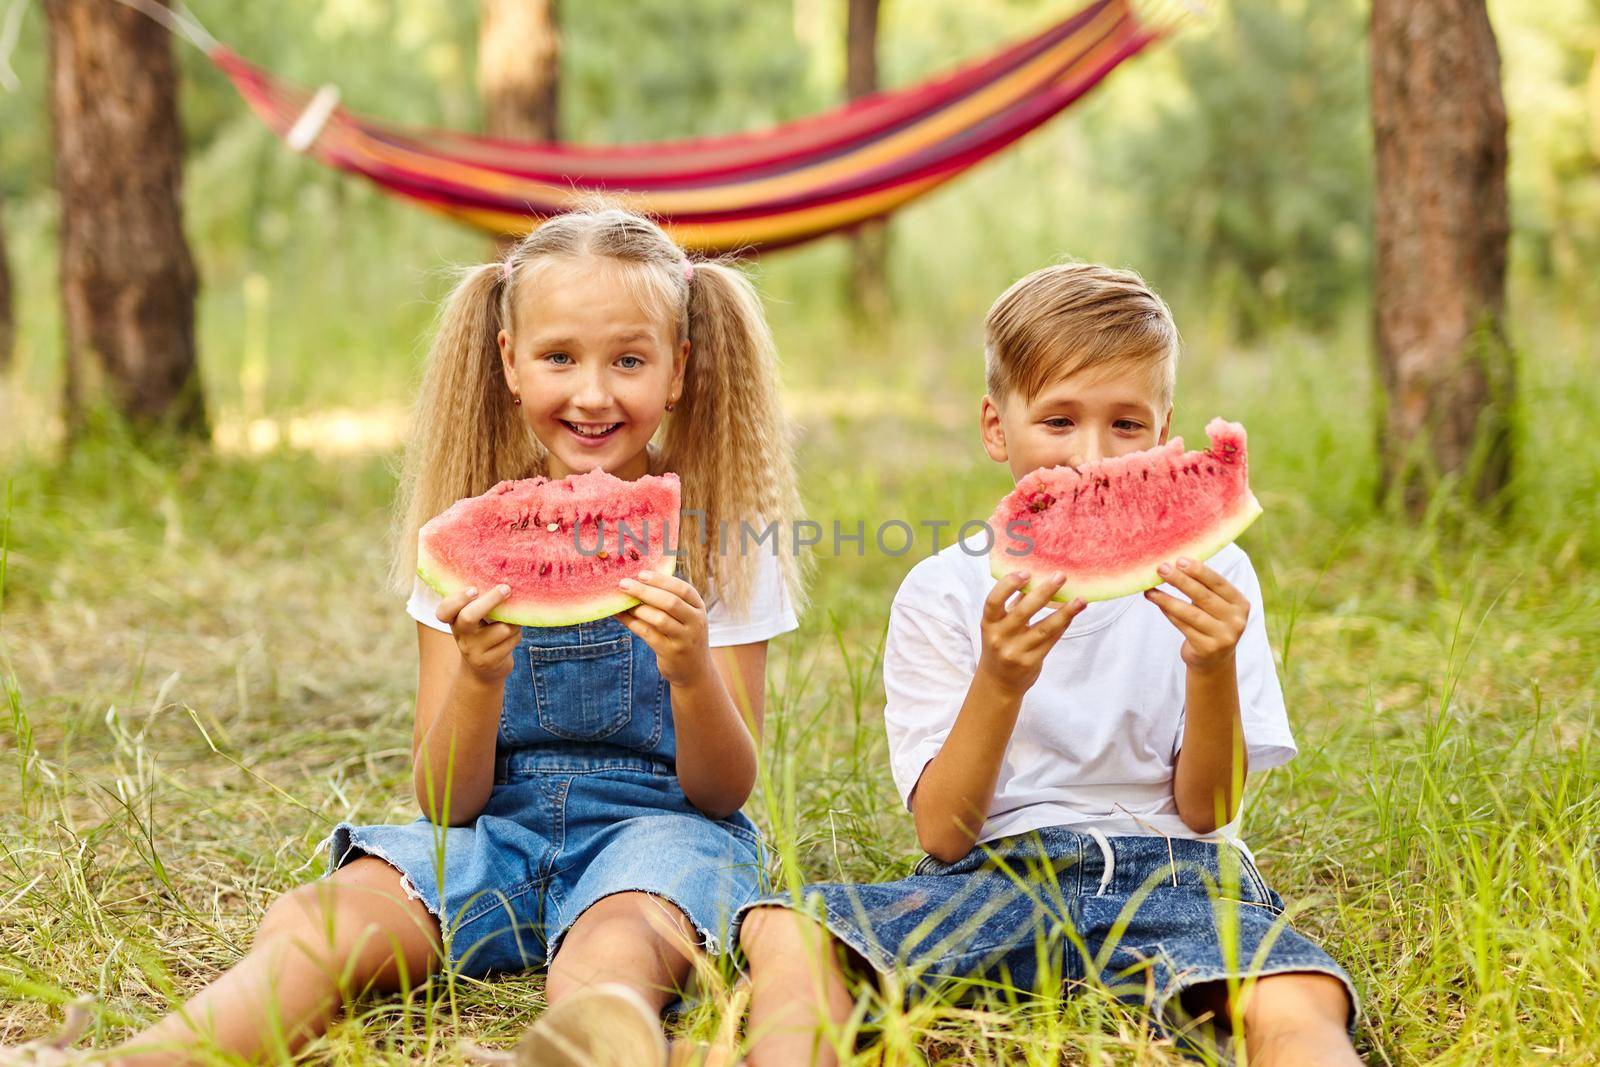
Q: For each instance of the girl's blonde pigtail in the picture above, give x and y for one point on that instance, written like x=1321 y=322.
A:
x=729 y=440
x=465 y=433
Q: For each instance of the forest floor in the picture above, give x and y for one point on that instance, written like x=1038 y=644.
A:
x=204 y=672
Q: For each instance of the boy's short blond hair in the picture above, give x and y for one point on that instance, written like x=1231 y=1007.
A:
x=1063 y=319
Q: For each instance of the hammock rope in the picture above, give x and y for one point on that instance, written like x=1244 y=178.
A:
x=741 y=192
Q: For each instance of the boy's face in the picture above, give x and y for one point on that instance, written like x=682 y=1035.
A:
x=1095 y=413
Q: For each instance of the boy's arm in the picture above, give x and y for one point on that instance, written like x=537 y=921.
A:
x=1208 y=780
x=951 y=798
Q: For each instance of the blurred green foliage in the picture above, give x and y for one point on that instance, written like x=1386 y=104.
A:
x=1230 y=166
x=1435 y=826
x=1259 y=175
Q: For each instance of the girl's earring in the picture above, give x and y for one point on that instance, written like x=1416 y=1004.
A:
x=670 y=403
x=517 y=400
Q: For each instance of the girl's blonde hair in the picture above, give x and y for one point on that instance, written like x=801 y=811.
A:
x=726 y=437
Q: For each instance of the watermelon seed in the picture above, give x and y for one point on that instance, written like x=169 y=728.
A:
x=553 y=526
x=544 y=568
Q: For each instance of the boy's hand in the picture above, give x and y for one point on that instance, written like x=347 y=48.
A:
x=1213 y=620
x=1013 y=651
x=671 y=619
x=486 y=646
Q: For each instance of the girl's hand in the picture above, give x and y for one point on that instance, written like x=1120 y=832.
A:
x=671 y=619
x=1213 y=620
x=485 y=646
x=1013 y=651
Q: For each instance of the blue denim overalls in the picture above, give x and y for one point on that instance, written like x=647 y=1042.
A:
x=586 y=803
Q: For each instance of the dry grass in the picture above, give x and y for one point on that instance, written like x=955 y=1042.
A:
x=203 y=673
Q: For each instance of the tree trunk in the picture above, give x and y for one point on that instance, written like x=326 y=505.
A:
x=127 y=280
x=8 y=329
x=869 y=276
x=519 y=68
x=1441 y=223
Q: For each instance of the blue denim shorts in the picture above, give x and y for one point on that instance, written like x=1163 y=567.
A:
x=561 y=830
x=1145 y=917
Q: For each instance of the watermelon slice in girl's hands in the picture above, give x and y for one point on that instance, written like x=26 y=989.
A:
x=1106 y=525
x=561 y=545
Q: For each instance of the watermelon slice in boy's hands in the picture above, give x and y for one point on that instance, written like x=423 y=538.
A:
x=562 y=545
x=1107 y=525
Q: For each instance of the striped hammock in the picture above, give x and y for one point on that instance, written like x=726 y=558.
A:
x=746 y=192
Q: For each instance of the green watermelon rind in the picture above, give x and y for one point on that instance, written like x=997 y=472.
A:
x=445 y=584
x=1136 y=580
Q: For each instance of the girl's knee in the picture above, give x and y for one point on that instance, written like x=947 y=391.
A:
x=359 y=926
x=621 y=936
x=295 y=914
x=630 y=919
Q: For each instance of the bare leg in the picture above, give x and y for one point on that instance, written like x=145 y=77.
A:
x=317 y=945
x=636 y=939
x=1289 y=1019
x=797 y=985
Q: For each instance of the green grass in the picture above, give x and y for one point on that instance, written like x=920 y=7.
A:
x=202 y=671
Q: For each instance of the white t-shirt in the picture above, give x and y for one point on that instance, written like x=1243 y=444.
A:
x=769 y=612
x=1098 y=734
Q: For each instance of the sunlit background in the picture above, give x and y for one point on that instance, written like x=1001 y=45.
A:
x=1232 y=168
x=204 y=668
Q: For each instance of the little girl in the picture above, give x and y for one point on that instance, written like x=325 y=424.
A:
x=580 y=785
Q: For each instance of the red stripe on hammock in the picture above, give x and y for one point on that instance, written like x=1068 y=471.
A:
x=1026 y=118
x=856 y=122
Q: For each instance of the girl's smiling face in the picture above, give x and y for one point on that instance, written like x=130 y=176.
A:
x=1077 y=419
x=595 y=368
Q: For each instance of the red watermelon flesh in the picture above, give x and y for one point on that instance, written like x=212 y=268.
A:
x=562 y=545
x=1106 y=525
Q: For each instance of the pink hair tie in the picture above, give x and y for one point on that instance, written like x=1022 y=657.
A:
x=688 y=271
x=505 y=271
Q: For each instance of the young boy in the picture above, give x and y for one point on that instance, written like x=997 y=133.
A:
x=1074 y=767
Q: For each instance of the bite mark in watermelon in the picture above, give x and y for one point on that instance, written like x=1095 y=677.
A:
x=562 y=545
x=1107 y=525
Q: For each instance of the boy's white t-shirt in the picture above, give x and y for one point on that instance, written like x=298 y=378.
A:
x=768 y=613
x=1098 y=734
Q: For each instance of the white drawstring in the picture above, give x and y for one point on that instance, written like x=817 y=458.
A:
x=1111 y=862
x=1105 y=852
